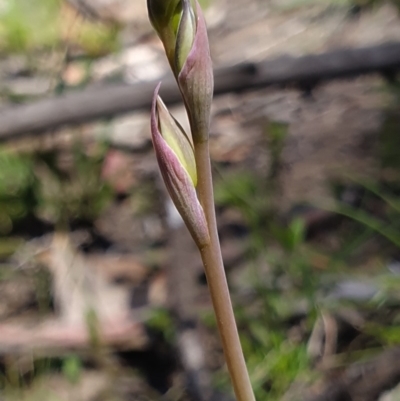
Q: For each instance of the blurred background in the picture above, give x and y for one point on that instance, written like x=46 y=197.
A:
x=102 y=291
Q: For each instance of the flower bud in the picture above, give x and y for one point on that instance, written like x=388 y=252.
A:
x=177 y=140
x=181 y=27
x=175 y=24
x=185 y=35
x=196 y=81
x=176 y=160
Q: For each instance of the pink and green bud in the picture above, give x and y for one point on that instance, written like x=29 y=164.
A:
x=176 y=138
x=181 y=26
x=175 y=157
x=196 y=81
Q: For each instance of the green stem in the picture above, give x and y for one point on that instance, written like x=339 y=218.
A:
x=216 y=279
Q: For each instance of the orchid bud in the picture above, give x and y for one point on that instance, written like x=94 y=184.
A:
x=177 y=140
x=181 y=26
x=196 y=82
x=175 y=157
x=175 y=24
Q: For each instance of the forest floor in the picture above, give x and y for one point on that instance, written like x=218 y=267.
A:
x=102 y=298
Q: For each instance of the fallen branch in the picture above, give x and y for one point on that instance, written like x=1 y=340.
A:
x=55 y=336
x=110 y=100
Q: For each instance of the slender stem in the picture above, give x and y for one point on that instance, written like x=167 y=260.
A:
x=216 y=279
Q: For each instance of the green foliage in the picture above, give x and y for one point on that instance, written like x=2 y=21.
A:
x=378 y=225
x=17 y=185
x=160 y=320
x=26 y=24
x=97 y=39
x=282 y=365
x=37 y=185
x=42 y=24
x=386 y=335
x=72 y=368
x=291 y=236
x=387 y=223
x=241 y=190
x=76 y=193
x=274 y=362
